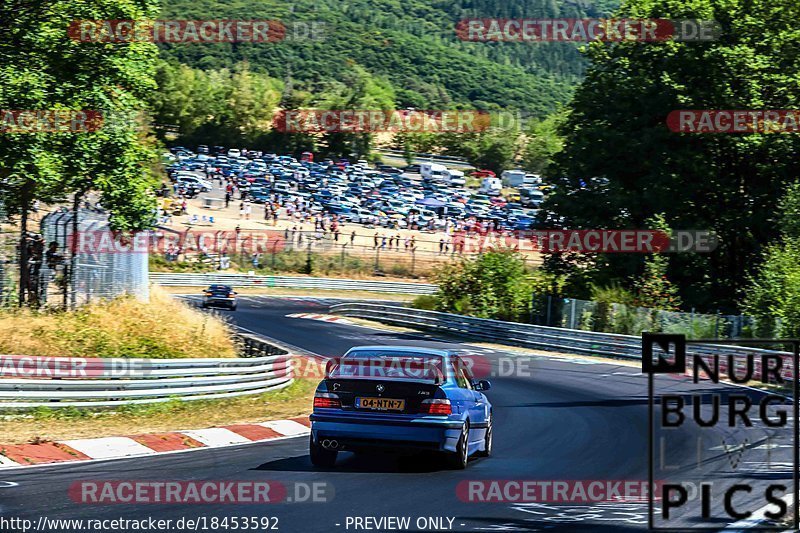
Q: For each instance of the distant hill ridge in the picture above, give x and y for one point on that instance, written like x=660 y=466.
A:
x=410 y=43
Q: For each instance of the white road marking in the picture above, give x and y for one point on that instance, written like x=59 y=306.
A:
x=624 y=512
x=286 y=427
x=5 y=461
x=214 y=437
x=108 y=447
x=771 y=446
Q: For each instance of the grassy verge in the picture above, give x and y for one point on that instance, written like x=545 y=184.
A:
x=47 y=424
x=124 y=327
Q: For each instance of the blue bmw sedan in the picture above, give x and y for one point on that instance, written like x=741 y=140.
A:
x=400 y=399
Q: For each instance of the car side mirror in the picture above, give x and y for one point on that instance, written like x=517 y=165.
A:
x=483 y=385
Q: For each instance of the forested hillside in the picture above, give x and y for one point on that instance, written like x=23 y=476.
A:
x=411 y=44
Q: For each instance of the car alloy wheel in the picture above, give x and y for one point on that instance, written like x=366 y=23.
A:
x=458 y=460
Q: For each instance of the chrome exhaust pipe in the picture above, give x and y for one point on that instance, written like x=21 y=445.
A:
x=330 y=444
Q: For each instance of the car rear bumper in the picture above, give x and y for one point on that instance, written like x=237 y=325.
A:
x=354 y=432
x=220 y=302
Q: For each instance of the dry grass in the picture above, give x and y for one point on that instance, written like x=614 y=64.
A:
x=124 y=327
x=54 y=424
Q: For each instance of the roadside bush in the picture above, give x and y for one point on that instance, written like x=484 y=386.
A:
x=495 y=285
x=426 y=302
x=773 y=295
x=603 y=314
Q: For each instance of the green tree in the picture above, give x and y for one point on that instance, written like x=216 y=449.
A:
x=496 y=285
x=232 y=107
x=620 y=163
x=43 y=69
x=542 y=142
x=773 y=294
x=359 y=90
x=653 y=289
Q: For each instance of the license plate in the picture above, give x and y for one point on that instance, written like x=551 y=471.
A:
x=381 y=404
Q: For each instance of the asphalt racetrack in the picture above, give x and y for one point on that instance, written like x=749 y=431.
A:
x=569 y=419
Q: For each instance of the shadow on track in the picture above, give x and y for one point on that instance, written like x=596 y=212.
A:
x=599 y=403
x=365 y=463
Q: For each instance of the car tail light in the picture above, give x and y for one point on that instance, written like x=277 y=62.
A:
x=326 y=399
x=436 y=407
x=232 y=295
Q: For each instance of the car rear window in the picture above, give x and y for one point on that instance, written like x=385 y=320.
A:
x=220 y=289
x=389 y=365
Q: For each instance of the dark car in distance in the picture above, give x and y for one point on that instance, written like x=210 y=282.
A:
x=219 y=296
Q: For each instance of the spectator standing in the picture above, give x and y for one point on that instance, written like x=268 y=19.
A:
x=224 y=261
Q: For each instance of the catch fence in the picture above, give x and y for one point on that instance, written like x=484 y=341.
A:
x=67 y=279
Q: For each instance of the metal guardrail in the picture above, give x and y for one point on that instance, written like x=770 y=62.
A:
x=532 y=336
x=292 y=282
x=116 y=382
